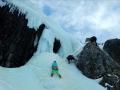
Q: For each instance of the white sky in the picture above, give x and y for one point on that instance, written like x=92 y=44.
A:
x=85 y=18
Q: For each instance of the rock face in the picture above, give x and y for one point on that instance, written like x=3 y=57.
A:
x=38 y=35
x=56 y=46
x=94 y=63
x=91 y=39
x=111 y=81
x=16 y=38
x=112 y=47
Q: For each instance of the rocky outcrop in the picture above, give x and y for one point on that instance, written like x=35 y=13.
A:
x=94 y=63
x=91 y=39
x=112 y=47
x=56 y=45
x=38 y=35
x=16 y=38
x=111 y=80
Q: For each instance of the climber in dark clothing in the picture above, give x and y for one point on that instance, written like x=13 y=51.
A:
x=70 y=58
x=55 y=69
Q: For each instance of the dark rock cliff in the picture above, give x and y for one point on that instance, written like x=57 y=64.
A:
x=16 y=38
x=94 y=63
x=56 y=46
x=112 y=47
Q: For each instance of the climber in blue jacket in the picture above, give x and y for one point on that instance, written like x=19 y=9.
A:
x=55 y=69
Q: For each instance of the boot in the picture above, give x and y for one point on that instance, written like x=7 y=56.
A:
x=51 y=74
x=60 y=76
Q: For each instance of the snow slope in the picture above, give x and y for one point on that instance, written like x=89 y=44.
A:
x=36 y=76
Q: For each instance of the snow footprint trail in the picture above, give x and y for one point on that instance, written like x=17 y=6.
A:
x=36 y=76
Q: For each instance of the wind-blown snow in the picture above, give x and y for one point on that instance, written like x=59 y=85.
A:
x=36 y=76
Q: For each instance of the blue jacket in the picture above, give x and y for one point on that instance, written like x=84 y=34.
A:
x=55 y=66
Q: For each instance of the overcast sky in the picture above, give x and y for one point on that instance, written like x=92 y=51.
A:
x=85 y=18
